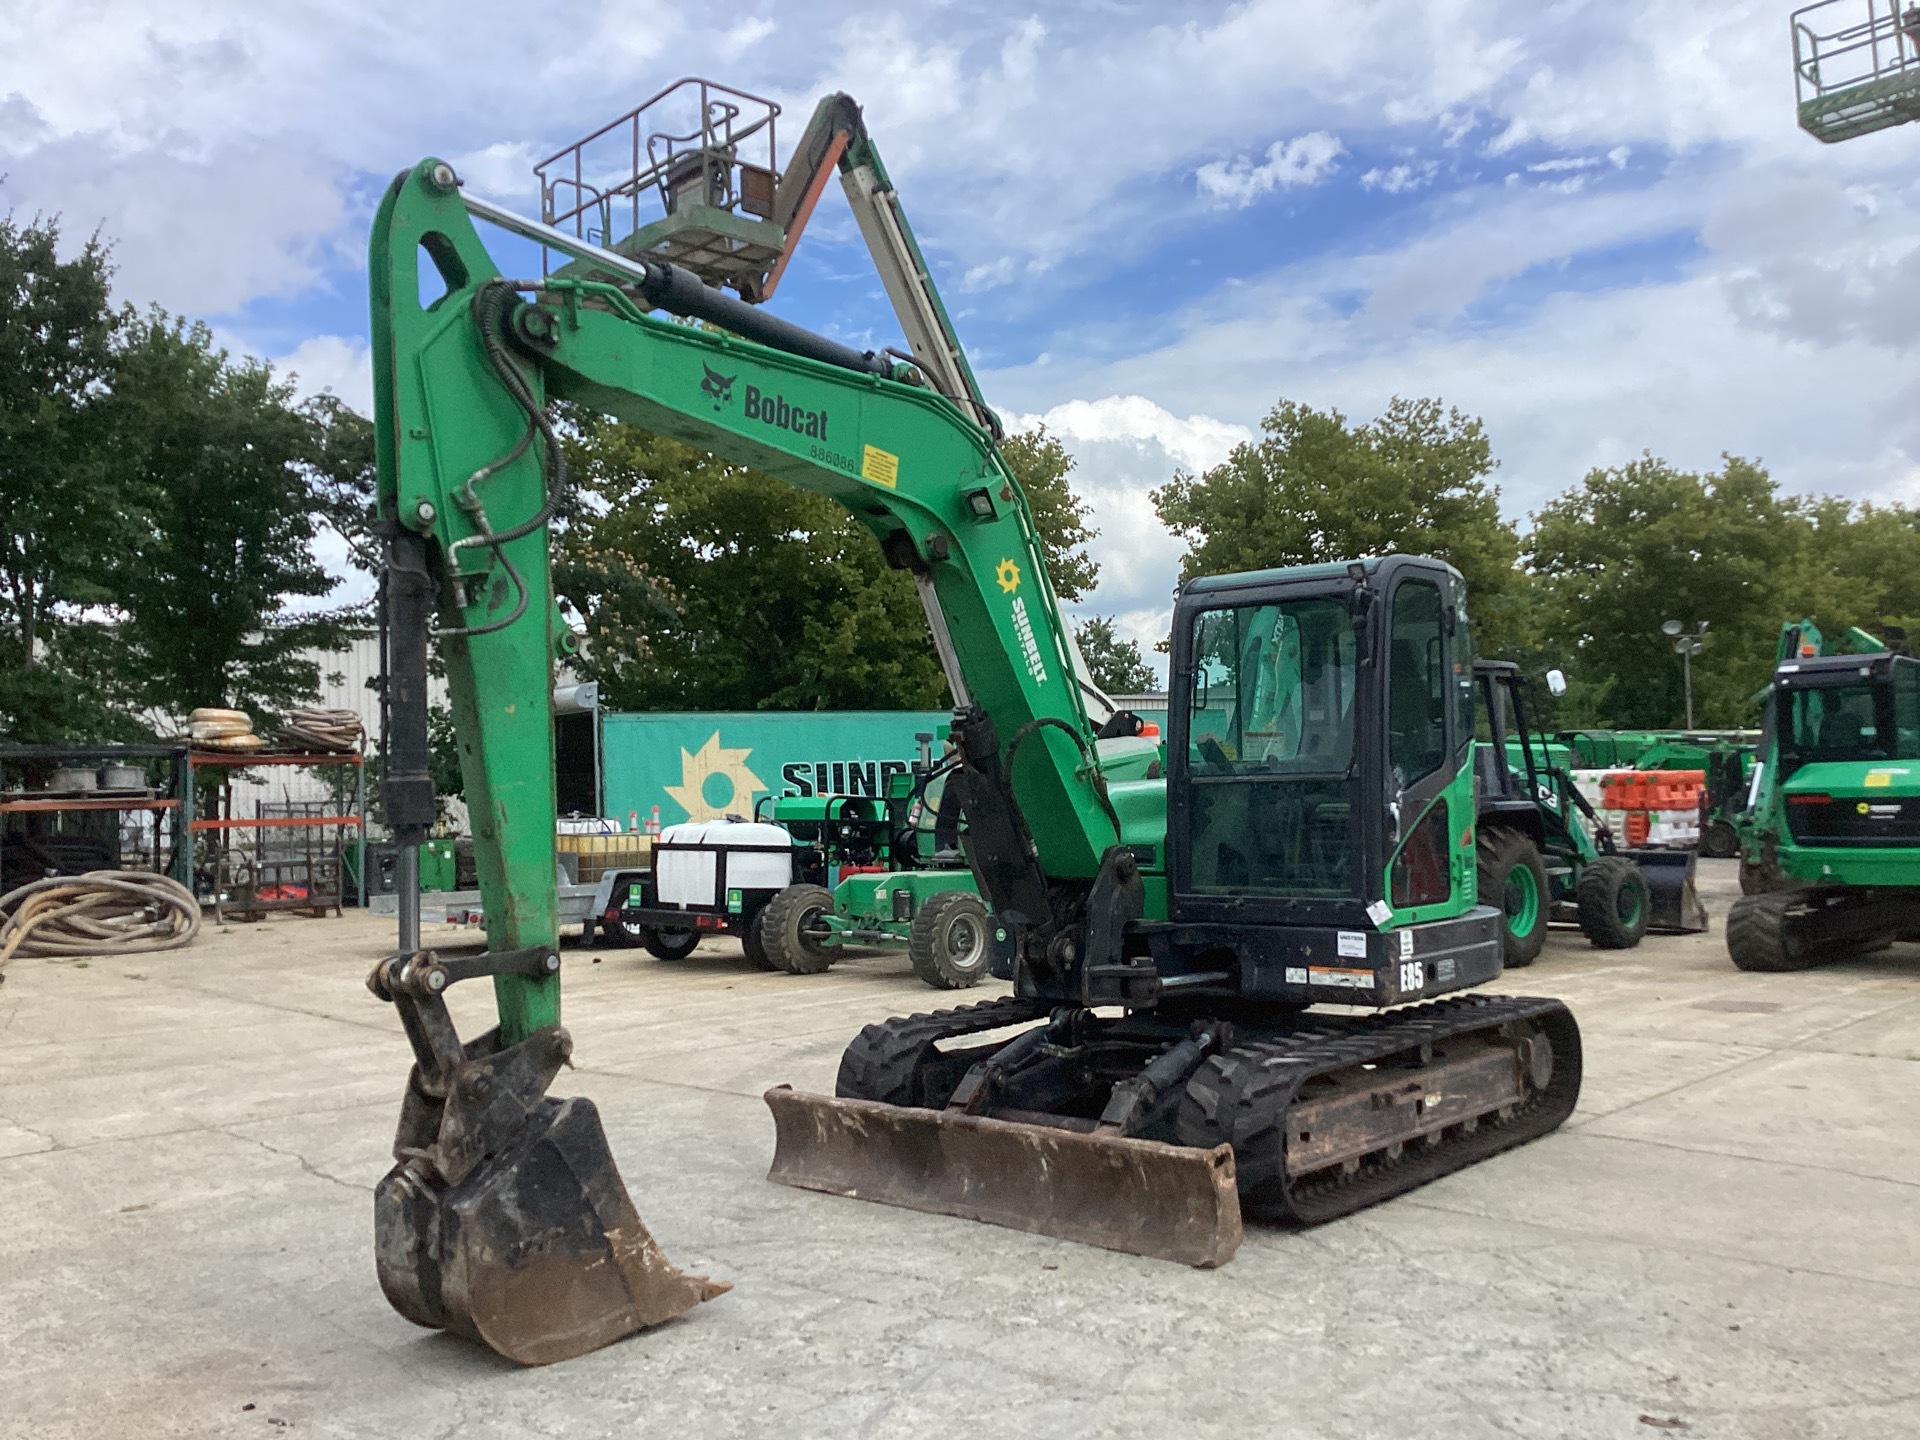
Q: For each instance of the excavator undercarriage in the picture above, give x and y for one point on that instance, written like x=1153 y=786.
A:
x=1147 y=1135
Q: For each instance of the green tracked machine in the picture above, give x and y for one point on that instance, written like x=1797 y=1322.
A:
x=1240 y=983
x=1830 y=854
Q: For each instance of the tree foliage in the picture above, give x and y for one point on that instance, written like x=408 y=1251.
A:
x=1636 y=545
x=62 y=525
x=708 y=586
x=1116 y=664
x=225 y=461
x=1042 y=465
x=1316 y=488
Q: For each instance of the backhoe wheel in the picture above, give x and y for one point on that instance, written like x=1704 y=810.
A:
x=1759 y=936
x=1513 y=879
x=1719 y=841
x=1612 y=901
x=753 y=941
x=948 y=942
x=785 y=925
x=670 y=944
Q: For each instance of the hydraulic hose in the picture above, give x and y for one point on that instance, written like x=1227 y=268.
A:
x=489 y=304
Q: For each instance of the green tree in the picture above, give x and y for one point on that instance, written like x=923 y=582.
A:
x=1042 y=465
x=708 y=586
x=1316 y=488
x=1639 y=544
x=226 y=463
x=1116 y=665
x=63 y=519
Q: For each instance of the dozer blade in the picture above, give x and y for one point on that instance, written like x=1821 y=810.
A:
x=537 y=1252
x=1674 y=906
x=1170 y=1202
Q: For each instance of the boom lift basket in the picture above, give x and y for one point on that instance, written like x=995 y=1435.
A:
x=1856 y=66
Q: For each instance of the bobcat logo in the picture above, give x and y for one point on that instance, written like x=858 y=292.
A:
x=717 y=387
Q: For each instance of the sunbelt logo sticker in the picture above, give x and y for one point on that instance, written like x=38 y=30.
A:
x=1007 y=575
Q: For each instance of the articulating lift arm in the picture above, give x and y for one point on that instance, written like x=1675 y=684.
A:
x=837 y=136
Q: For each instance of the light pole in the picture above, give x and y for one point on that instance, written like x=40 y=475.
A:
x=1686 y=647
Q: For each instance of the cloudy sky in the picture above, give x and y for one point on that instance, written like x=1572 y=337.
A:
x=1591 y=222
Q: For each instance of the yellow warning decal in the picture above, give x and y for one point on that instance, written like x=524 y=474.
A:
x=880 y=466
x=1878 y=780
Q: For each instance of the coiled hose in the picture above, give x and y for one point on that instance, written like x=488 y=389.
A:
x=104 y=912
x=328 y=731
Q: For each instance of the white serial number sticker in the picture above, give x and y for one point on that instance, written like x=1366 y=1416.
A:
x=1352 y=945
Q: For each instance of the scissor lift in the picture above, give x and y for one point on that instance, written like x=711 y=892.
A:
x=1856 y=66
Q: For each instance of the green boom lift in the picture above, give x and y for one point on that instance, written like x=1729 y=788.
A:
x=1170 y=936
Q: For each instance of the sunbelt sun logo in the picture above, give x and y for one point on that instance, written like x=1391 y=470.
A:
x=703 y=799
x=1007 y=575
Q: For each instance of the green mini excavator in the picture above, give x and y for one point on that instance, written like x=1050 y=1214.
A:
x=1166 y=1062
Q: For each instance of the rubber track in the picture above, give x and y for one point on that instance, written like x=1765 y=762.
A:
x=881 y=1061
x=1242 y=1097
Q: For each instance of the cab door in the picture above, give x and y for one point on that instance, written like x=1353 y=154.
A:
x=1428 y=730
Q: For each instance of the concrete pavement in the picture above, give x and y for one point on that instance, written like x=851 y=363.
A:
x=1725 y=1238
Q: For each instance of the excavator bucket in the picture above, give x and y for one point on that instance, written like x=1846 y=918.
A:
x=538 y=1254
x=1674 y=904
x=1170 y=1202
x=505 y=1219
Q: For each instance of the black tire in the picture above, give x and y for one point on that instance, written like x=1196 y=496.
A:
x=1719 y=841
x=1613 y=903
x=1758 y=936
x=620 y=935
x=1508 y=863
x=753 y=941
x=784 y=924
x=948 y=943
x=670 y=944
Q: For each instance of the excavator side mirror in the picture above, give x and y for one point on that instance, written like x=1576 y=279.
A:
x=1556 y=684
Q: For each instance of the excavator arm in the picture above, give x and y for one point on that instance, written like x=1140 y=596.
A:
x=504 y=1217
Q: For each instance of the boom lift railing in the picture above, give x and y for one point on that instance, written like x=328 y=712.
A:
x=1856 y=66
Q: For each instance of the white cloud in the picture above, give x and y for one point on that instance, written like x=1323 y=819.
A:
x=1198 y=442
x=1303 y=160
x=333 y=363
x=1125 y=446
x=503 y=171
x=1399 y=179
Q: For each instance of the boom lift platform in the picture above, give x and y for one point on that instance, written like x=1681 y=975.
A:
x=1856 y=66
x=1168 y=934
